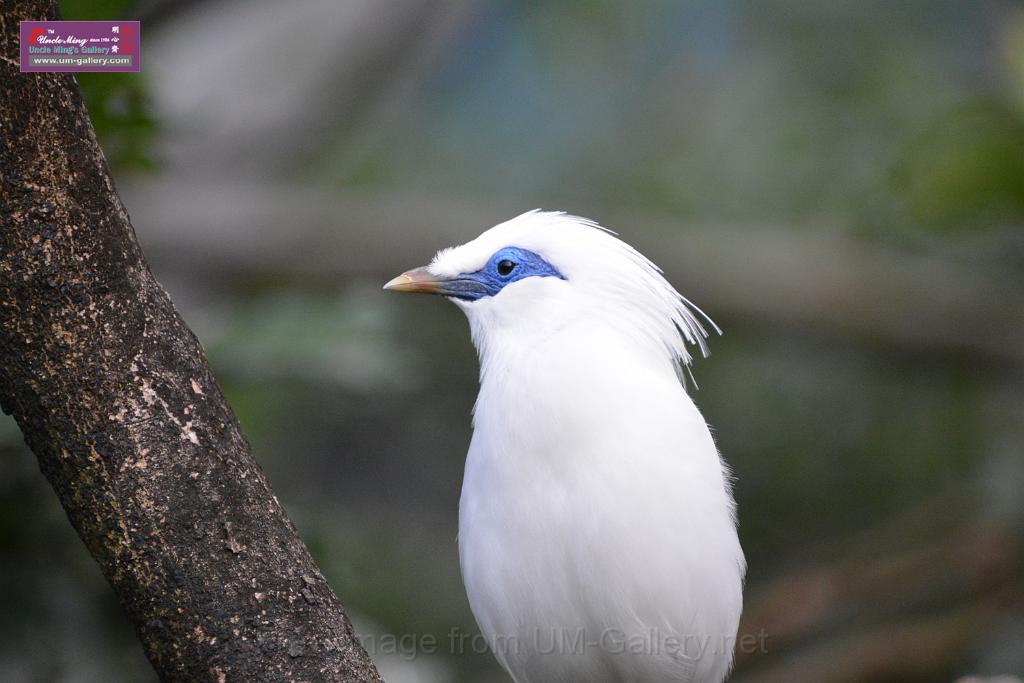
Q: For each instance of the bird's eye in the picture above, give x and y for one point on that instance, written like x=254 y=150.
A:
x=505 y=267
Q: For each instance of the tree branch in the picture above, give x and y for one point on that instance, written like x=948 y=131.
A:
x=114 y=396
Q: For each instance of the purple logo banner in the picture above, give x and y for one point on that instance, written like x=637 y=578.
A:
x=80 y=46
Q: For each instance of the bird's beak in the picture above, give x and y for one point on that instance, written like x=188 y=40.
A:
x=467 y=287
x=418 y=281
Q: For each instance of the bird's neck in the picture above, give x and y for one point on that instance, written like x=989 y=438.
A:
x=592 y=346
x=551 y=370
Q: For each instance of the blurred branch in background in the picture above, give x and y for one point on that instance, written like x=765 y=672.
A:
x=903 y=601
x=269 y=112
x=811 y=277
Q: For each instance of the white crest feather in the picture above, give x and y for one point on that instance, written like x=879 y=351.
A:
x=623 y=283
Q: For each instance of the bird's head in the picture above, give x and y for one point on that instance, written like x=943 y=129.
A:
x=545 y=272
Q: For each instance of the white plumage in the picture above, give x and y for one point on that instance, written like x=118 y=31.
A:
x=597 y=531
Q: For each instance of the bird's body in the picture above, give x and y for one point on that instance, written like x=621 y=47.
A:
x=597 y=535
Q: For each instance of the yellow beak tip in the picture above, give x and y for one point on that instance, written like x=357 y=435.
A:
x=398 y=283
x=416 y=281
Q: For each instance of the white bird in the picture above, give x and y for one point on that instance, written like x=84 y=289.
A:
x=597 y=528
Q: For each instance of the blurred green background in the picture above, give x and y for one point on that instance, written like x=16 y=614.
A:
x=840 y=185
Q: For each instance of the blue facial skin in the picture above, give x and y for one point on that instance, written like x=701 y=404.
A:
x=506 y=266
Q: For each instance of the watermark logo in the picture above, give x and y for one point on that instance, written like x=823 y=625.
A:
x=80 y=46
x=568 y=642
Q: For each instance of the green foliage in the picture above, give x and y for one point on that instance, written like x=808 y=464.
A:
x=118 y=103
x=95 y=10
x=119 y=110
x=834 y=434
x=967 y=170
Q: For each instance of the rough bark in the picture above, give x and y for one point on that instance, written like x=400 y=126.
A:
x=114 y=396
